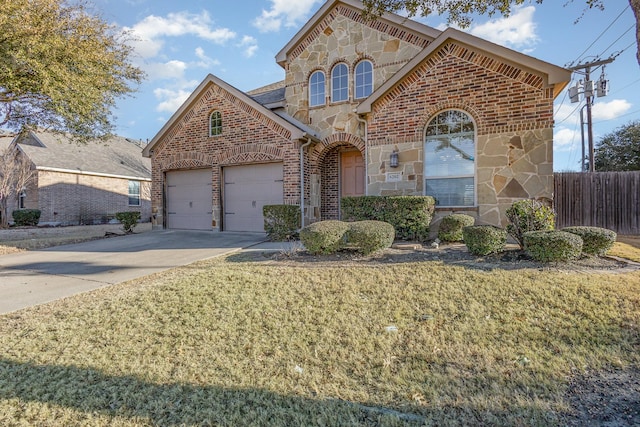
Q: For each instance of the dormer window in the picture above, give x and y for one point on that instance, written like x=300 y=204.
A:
x=215 y=123
x=363 y=79
x=340 y=83
x=316 y=89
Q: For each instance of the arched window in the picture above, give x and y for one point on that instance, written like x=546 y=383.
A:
x=363 y=79
x=449 y=159
x=215 y=123
x=340 y=83
x=316 y=89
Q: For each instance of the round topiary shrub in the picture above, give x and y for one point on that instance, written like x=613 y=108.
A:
x=596 y=240
x=451 y=227
x=552 y=245
x=324 y=237
x=370 y=236
x=484 y=239
x=528 y=215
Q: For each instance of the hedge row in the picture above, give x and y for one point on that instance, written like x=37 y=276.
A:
x=327 y=237
x=410 y=216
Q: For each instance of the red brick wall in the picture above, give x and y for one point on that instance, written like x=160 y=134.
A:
x=247 y=137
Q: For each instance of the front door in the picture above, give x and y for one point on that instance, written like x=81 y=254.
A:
x=352 y=174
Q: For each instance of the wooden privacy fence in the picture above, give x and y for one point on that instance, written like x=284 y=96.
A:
x=600 y=199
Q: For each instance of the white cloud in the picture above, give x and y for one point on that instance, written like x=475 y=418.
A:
x=166 y=70
x=250 y=46
x=151 y=31
x=518 y=30
x=172 y=98
x=565 y=139
x=204 y=60
x=289 y=12
x=610 y=110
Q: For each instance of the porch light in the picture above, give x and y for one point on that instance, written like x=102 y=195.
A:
x=393 y=158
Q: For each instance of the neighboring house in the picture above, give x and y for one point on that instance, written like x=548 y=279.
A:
x=84 y=183
x=384 y=107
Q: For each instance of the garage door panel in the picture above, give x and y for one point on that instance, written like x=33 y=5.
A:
x=189 y=199
x=247 y=189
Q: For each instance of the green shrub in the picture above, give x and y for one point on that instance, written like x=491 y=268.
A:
x=370 y=236
x=451 y=227
x=552 y=245
x=409 y=215
x=128 y=220
x=26 y=217
x=528 y=215
x=596 y=240
x=484 y=239
x=324 y=237
x=281 y=222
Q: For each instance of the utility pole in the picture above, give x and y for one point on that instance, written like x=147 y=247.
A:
x=589 y=89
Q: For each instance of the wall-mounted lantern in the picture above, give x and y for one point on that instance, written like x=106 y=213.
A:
x=393 y=158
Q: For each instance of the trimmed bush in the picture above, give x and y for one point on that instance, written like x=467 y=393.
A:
x=370 y=236
x=529 y=215
x=281 y=222
x=552 y=245
x=128 y=220
x=484 y=239
x=409 y=215
x=451 y=227
x=595 y=240
x=324 y=237
x=26 y=217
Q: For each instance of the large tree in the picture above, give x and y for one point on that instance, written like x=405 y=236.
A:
x=620 y=149
x=459 y=11
x=61 y=68
x=16 y=173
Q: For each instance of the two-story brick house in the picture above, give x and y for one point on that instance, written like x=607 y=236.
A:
x=379 y=107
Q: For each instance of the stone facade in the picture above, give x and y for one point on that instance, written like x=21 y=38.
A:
x=418 y=72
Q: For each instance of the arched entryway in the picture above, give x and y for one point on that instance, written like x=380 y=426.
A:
x=340 y=167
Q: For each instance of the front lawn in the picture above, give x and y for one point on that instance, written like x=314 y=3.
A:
x=234 y=342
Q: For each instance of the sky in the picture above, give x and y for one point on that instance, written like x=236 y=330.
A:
x=180 y=42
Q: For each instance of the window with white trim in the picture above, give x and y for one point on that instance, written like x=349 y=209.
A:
x=134 y=193
x=316 y=89
x=215 y=123
x=340 y=83
x=449 y=159
x=363 y=79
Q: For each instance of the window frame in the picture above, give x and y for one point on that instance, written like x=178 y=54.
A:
x=474 y=135
x=357 y=74
x=343 y=79
x=320 y=94
x=22 y=199
x=215 y=129
x=134 y=195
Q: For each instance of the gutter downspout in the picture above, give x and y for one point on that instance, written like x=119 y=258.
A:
x=302 y=147
x=366 y=154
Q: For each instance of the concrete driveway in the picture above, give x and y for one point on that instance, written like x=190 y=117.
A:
x=37 y=277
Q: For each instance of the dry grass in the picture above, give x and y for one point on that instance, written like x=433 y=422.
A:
x=232 y=342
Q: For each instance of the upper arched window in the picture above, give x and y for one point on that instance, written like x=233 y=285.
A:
x=340 y=83
x=363 y=79
x=215 y=123
x=316 y=89
x=449 y=159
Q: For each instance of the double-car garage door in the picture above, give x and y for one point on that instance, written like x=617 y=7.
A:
x=246 y=190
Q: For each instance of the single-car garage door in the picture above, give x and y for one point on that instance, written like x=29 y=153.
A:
x=189 y=199
x=246 y=190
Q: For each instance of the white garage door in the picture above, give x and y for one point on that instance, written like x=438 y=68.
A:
x=189 y=199
x=246 y=190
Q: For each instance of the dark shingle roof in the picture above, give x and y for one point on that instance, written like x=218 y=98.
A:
x=116 y=156
x=271 y=97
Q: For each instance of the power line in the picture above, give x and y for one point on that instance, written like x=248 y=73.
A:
x=601 y=34
x=616 y=41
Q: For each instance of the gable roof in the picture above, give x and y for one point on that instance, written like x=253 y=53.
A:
x=406 y=24
x=297 y=133
x=557 y=77
x=5 y=142
x=115 y=157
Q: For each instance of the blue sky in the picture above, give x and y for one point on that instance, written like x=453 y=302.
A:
x=181 y=42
